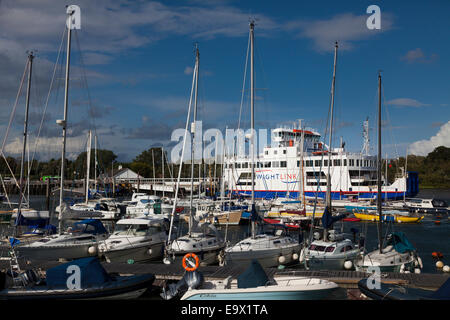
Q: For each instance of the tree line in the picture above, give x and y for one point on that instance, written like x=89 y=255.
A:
x=148 y=164
x=433 y=169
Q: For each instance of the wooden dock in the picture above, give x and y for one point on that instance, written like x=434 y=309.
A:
x=345 y=279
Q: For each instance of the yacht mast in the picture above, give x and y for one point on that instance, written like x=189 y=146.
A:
x=88 y=164
x=328 y=195
x=63 y=122
x=95 y=163
x=380 y=239
x=252 y=125
x=162 y=159
x=25 y=134
x=197 y=62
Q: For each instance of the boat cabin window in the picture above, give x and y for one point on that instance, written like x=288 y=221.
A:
x=316 y=248
x=283 y=164
x=346 y=248
x=135 y=229
x=83 y=228
x=145 y=201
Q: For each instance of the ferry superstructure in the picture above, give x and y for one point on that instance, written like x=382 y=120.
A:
x=278 y=170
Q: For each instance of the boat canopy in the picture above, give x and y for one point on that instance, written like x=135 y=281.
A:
x=400 y=242
x=90 y=273
x=93 y=226
x=254 y=276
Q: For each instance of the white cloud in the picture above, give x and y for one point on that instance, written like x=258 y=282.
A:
x=417 y=55
x=344 y=28
x=423 y=147
x=407 y=102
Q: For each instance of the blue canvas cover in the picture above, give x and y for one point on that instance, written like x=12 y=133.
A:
x=400 y=242
x=328 y=219
x=92 y=274
x=443 y=293
x=253 y=277
x=93 y=226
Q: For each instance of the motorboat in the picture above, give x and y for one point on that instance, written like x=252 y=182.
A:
x=135 y=240
x=252 y=284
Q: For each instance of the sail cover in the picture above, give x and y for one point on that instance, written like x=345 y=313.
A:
x=253 y=277
x=328 y=219
x=400 y=242
x=81 y=273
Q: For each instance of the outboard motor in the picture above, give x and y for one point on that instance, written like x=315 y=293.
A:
x=190 y=280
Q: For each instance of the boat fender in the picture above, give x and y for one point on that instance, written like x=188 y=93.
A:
x=294 y=256
x=439 y=264
x=92 y=250
x=302 y=256
x=446 y=269
x=402 y=268
x=150 y=251
x=407 y=271
x=348 y=265
x=221 y=258
x=281 y=259
x=417 y=270
x=420 y=262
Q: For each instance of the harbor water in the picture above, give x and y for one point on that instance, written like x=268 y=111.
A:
x=426 y=236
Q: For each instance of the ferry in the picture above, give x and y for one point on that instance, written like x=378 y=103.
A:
x=280 y=172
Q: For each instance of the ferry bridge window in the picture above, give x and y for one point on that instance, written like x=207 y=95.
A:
x=275 y=152
x=238 y=165
x=317 y=163
x=275 y=164
x=357 y=162
x=337 y=162
x=284 y=151
x=325 y=163
x=351 y=162
x=283 y=164
x=245 y=165
x=298 y=163
x=267 y=164
x=345 y=162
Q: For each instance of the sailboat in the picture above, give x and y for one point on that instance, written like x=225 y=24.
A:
x=202 y=239
x=333 y=251
x=86 y=239
x=398 y=255
x=270 y=249
x=26 y=215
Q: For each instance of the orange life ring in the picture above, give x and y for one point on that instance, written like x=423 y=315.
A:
x=197 y=262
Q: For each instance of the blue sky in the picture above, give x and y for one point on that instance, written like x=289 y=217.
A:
x=139 y=57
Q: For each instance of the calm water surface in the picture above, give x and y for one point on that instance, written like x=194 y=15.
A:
x=426 y=236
